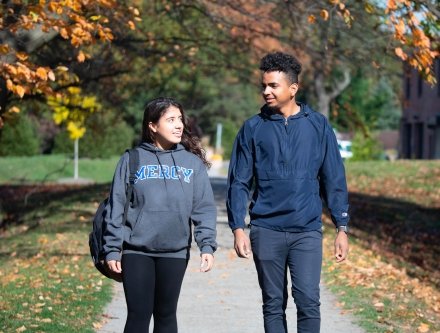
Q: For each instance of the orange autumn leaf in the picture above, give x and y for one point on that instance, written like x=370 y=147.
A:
x=41 y=73
x=412 y=62
x=4 y=48
x=324 y=14
x=14 y=109
x=81 y=57
x=9 y=85
x=391 y=5
x=131 y=25
x=399 y=52
x=52 y=6
x=75 y=41
x=22 y=56
x=64 y=33
x=11 y=69
x=24 y=71
x=19 y=90
x=423 y=328
x=400 y=27
x=420 y=39
x=311 y=19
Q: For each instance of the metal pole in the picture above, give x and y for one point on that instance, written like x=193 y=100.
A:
x=75 y=157
x=218 y=141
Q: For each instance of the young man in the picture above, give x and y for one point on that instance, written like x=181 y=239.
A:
x=291 y=153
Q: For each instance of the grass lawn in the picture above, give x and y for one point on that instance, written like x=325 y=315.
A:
x=50 y=168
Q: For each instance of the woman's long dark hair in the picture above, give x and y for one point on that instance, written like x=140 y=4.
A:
x=155 y=109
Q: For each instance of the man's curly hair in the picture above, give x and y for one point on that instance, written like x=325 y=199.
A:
x=282 y=62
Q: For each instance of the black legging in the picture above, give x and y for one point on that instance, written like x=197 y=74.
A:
x=152 y=287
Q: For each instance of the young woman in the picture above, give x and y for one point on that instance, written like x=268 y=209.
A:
x=171 y=190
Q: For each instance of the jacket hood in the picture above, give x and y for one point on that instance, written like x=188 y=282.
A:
x=268 y=113
x=152 y=148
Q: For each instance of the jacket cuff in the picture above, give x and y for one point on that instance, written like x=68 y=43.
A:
x=113 y=256
x=238 y=226
x=341 y=219
x=207 y=249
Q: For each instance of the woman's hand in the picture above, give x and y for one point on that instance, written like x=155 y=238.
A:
x=206 y=262
x=114 y=266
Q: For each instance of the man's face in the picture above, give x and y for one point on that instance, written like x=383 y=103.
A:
x=277 y=90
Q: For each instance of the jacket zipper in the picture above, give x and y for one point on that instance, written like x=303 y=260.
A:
x=285 y=143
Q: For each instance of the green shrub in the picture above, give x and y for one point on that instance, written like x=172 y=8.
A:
x=19 y=137
x=62 y=143
x=365 y=148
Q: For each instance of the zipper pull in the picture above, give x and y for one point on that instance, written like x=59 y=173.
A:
x=285 y=122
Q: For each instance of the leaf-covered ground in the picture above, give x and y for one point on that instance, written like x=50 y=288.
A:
x=392 y=273
x=47 y=279
x=397 y=213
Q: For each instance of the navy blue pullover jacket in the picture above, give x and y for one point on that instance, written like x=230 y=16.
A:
x=293 y=162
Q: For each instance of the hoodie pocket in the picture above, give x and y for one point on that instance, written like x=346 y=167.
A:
x=160 y=231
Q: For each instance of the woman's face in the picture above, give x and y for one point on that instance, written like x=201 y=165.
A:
x=169 y=129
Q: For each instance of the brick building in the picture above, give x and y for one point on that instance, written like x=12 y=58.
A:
x=420 y=123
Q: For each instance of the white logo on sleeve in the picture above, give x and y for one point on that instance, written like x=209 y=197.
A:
x=344 y=214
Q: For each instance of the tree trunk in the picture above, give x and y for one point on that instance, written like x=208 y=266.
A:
x=325 y=96
x=3 y=100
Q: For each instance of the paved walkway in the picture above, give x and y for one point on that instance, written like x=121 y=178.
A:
x=227 y=299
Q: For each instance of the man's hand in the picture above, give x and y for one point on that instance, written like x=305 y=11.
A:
x=114 y=266
x=206 y=262
x=341 y=246
x=242 y=243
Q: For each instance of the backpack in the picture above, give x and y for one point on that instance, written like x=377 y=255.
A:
x=96 y=237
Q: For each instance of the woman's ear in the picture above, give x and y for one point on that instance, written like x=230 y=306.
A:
x=152 y=127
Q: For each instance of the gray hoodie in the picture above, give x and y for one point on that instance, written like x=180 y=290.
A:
x=171 y=190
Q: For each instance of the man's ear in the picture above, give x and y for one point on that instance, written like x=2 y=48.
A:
x=293 y=89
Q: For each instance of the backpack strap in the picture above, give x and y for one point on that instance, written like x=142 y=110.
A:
x=133 y=161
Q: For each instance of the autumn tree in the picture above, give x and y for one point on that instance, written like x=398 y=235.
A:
x=26 y=29
x=334 y=37
x=107 y=49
